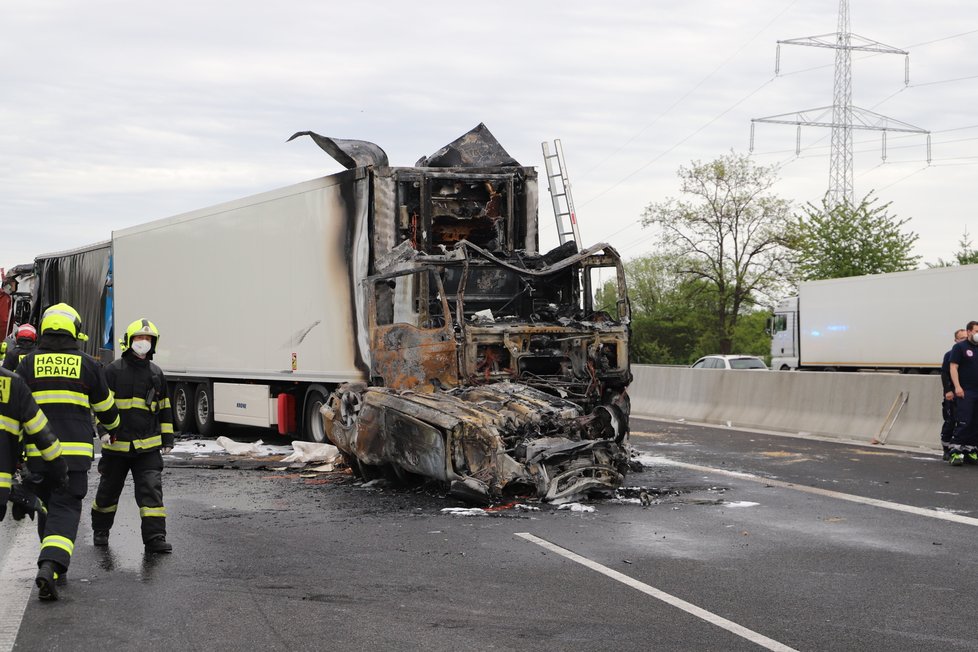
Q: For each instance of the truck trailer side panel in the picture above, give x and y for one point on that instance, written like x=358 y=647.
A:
x=904 y=320
x=259 y=288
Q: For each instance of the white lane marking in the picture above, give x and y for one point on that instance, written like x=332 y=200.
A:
x=17 y=573
x=679 y=603
x=885 y=504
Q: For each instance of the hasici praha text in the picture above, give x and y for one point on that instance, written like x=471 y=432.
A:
x=60 y=365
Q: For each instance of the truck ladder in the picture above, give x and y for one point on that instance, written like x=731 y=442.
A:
x=560 y=193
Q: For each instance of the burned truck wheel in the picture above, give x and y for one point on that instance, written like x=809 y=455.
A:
x=183 y=420
x=204 y=409
x=312 y=420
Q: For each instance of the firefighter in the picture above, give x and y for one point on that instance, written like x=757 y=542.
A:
x=19 y=418
x=68 y=385
x=25 y=343
x=138 y=445
x=7 y=343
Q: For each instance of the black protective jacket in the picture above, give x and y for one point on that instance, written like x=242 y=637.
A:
x=144 y=408
x=68 y=385
x=946 y=373
x=21 y=419
x=18 y=352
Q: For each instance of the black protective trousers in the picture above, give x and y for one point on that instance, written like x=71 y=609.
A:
x=950 y=420
x=964 y=439
x=147 y=480
x=59 y=529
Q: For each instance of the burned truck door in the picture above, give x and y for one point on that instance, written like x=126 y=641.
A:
x=411 y=346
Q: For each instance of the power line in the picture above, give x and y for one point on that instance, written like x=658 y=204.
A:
x=670 y=149
x=690 y=91
x=944 y=38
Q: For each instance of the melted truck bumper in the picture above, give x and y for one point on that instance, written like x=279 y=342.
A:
x=487 y=443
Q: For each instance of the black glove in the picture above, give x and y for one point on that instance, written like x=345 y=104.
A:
x=18 y=512
x=56 y=472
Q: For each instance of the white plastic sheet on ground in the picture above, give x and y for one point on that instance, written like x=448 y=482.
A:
x=222 y=445
x=240 y=448
x=308 y=451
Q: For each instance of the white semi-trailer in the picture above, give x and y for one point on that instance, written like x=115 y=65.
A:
x=404 y=313
x=902 y=321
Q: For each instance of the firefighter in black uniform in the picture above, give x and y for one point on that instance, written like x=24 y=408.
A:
x=67 y=385
x=25 y=343
x=19 y=418
x=146 y=431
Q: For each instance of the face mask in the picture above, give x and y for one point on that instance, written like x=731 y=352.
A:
x=141 y=348
x=974 y=338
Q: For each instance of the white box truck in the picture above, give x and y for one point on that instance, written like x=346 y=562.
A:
x=404 y=313
x=903 y=321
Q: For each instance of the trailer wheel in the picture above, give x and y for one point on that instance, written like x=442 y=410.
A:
x=312 y=420
x=204 y=409
x=183 y=420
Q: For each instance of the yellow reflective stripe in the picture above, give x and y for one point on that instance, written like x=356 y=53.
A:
x=166 y=428
x=113 y=425
x=152 y=511
x=51 y=452
x=117 y=446
x=133 y=403
x=32 y=451
x=6 y=479
x=102 y=406
x=55 y=541
x=76 y=448
x=36 y=425
x=48 y=397
x=10 y=425
x=140 y=404
x=149 y=442
x=105 y=510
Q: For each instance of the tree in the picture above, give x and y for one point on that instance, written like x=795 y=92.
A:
x=728 y=235
x=964 y=256
x=846 y=240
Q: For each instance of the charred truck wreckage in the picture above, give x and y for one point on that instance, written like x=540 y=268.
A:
x=490 y=367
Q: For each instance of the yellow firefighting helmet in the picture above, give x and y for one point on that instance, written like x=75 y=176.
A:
x=140 y=327
x=62 y=318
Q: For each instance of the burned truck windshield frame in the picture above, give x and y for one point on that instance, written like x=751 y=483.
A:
x=439 y=209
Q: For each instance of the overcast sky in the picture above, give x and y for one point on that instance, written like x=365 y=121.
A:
x=116 y=113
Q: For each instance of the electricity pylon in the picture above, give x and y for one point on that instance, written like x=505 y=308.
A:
x=844 y=116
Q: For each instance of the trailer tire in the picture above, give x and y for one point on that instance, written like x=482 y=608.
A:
x=204 y=409
x=312 y=421
x=182 y=406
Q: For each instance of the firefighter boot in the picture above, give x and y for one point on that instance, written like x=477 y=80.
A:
x=47 y=573
x=158 y=544
x=100 y=538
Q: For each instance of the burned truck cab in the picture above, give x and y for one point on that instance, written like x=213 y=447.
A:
x=491 y=366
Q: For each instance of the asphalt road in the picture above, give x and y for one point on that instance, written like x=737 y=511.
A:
x=750 y=542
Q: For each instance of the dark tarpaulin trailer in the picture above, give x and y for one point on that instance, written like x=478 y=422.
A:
x=80 y=278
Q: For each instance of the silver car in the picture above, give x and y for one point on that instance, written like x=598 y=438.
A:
x=729 y=362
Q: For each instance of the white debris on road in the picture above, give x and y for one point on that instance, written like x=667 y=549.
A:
x=308 y=451
x=214 y=447
x=464 y=511
x=577 y=507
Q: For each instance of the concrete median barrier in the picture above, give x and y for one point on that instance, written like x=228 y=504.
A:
x=902 y=410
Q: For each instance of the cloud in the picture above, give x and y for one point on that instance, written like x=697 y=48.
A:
x=116 y=113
